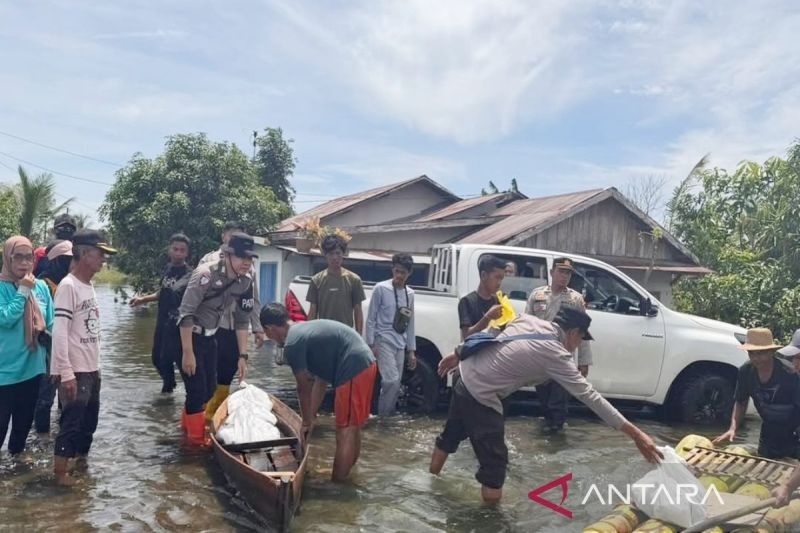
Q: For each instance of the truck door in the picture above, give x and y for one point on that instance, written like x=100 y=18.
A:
x=628 y=349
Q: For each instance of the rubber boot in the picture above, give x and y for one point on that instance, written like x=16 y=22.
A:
x=213 y=404
x=61 y=470
x=184 y=427
x=196 y=429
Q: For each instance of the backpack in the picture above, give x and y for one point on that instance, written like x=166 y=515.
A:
x=476 y=341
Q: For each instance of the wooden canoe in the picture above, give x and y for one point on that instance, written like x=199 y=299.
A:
x=269 y=475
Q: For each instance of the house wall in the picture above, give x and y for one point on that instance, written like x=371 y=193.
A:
x=659 y=283
x=417 y=241
x=400 y=204
x=288 y=264
x=606 y=229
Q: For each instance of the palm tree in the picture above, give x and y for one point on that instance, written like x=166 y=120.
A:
x=36 y=200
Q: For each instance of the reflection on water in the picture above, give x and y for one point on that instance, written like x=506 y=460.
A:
x=140 y=477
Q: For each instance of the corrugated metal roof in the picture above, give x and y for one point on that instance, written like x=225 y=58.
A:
x=364 y=255
x=342 y=203
x=524 y=215
x=458 y=207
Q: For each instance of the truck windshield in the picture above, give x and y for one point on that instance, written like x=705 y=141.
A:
x=603 y=291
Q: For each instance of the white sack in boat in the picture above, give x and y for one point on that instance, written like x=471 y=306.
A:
x=250 y=417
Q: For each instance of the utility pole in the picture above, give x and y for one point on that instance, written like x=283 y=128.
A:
x=255 y=136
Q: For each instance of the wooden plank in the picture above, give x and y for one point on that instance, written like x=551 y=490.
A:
x=253 y=446
x=279 y=474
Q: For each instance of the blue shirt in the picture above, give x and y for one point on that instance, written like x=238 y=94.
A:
x=380 y=317
x=17 y=362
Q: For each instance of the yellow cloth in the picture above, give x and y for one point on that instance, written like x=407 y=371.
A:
x=508 y=312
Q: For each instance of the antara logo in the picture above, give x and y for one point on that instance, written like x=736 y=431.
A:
x=562 y=482
x=644 y=493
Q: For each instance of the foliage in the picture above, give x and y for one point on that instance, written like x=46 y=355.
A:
x=110 y=276
x=646 y=193
x=746 y=227
x=36 y=199
x=492 y=188
x=275 y=163
x=311 y=229
x=9 y=213
x=339 y=232
x=194 y=186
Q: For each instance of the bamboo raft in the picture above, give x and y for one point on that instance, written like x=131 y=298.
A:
x=738 y=476
x=744 y=468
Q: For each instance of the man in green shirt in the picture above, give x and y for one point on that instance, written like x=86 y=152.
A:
x=321 y=352
x=336 y=293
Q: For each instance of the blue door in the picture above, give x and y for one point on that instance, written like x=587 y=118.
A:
x=267 y=282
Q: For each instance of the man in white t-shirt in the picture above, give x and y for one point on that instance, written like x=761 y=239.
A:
x=76 y=352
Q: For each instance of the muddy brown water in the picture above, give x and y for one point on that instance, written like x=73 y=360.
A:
x=142 y=478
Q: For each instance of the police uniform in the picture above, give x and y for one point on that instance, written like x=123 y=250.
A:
x=212 y=291
x=227 y=344
x=544 y=304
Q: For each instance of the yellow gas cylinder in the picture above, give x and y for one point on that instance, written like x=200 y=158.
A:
x=718 y=483
x=754 y=489
x=690 y=441
x=600 y=527
x=656 y=526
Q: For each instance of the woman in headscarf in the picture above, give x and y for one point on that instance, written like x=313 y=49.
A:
x=26 y=317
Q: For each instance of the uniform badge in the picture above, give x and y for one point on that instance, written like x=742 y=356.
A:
x=218 y=283
x=204 y=281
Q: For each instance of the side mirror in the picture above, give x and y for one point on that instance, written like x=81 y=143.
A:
x=647 y=308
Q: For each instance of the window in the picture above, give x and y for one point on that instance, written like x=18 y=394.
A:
x=604 y=291
x=531 y=273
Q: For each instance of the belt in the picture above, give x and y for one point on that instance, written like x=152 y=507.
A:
x=199 y=330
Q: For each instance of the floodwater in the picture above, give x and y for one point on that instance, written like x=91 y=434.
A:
x=141 y=477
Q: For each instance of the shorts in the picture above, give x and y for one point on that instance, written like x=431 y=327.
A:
x=354 y=398
x=485 y=429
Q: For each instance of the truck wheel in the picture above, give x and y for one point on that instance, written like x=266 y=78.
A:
x=421 y=388
x=703 y=398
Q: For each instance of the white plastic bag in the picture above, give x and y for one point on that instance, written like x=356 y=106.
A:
x=250 y=417
x=670 y=492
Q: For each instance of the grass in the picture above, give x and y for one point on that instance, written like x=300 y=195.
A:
x=110 y=276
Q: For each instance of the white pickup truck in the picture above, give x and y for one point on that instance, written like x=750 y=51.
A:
x=644 y=352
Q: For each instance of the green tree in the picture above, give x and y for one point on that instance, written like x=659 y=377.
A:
x=194 y=186
x=746 y=227
x=9 y=213
x=36 y=199
x=275 y=163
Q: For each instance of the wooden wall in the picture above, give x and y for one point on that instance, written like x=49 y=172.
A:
x=607 y=230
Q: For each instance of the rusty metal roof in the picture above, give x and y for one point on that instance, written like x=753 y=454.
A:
x=343 y=203
x=458 y=207
x=524 y=215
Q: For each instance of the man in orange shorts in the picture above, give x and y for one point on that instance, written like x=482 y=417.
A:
x=322 y=352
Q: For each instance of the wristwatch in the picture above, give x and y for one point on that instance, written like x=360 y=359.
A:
x=244 y=356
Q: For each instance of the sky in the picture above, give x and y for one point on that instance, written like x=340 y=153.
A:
x=562 y=95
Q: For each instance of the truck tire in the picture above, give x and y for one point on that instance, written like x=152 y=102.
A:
x=421 y=388
x=701 y=398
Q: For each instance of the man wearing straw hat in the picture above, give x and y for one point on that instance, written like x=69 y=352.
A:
x=783 y=492
x=775 y=389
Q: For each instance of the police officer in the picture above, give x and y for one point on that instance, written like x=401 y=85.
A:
x=544 y=303
x=227 y=344
x=213 y=289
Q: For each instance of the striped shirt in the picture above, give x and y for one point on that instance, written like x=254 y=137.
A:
x=76 y=329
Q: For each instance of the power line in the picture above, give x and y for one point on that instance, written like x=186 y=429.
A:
x=55 y=171
x=90 y=158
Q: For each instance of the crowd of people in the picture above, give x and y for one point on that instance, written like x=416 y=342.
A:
x=50 y=340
